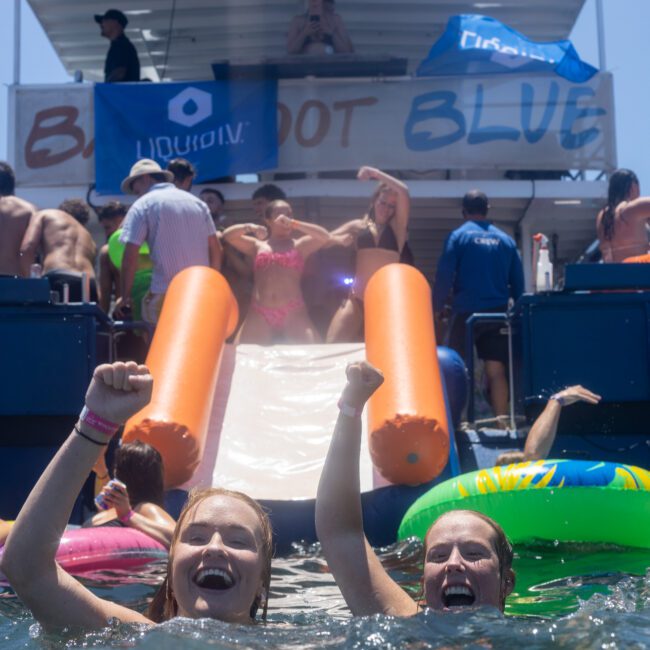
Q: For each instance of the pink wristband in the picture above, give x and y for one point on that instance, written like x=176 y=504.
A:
x=97 y=422
x=350 y=411
x=125 y=519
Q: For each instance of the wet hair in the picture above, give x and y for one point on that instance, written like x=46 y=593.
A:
x=502 y=545
x=76 y=208
x=164 y=605
x=181 y=169
x=140 y=467
x=379 y=190
x=620 y=184
x=216 y=192
x=111 y=210
x=270 y=207
x=7 y=179
x=475 y=202
x=510 y=458
x=269 y=192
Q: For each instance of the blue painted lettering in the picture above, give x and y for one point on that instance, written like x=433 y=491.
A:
x=527 y=103
x=435 y=121
x=443 y=109
x=480 y=134
x=572 y=114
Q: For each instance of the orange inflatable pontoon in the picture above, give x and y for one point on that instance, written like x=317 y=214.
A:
x=407 y=417
x=638 y=259
x=198 y=315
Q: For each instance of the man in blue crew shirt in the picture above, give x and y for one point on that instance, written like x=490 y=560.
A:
x=480 y=266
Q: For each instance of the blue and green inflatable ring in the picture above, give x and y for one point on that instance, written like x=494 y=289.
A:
x=563 y=500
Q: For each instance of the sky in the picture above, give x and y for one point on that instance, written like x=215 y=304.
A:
x=627 y=51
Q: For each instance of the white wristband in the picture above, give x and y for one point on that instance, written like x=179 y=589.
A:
x=350 y=411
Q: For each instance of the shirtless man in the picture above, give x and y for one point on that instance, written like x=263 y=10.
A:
x=621 y=224
x=67 y=250
x=14 y=219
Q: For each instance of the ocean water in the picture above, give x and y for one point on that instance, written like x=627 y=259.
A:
x=566 y=596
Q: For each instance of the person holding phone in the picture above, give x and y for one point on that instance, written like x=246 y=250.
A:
x=320 y=30
x=135 y=497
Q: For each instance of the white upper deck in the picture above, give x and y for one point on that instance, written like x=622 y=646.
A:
x=179 y=39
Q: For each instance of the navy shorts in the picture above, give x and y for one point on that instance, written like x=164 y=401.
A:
x=491 y=339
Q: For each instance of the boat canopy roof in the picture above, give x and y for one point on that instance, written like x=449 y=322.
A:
x=180 y=39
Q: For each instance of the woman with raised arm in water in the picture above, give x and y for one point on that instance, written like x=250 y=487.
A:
x=277 y=305
x=467 y=557
x=380 y=237
x=621 y=224
x=220 y=557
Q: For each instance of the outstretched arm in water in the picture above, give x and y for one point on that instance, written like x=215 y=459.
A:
x=541 y=437
x=363 y=581
x=56 y=599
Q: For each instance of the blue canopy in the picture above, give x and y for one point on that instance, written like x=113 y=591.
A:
x=474 y=44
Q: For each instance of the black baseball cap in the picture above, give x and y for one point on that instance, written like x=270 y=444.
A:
x=113 y=14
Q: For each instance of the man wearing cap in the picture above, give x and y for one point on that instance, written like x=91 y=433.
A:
x=178 y=228
x=122 y=63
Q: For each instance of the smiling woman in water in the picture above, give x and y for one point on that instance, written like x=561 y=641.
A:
x=467 y=557
x=220 y=555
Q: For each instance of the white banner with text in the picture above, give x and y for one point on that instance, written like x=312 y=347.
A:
x=535 y=122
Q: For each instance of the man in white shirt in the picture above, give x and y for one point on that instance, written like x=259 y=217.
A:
x=177 y=226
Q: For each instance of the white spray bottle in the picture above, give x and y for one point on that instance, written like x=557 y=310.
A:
x=543 y=267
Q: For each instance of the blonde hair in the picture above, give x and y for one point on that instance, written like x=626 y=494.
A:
x=164 y=605
x=379 y=190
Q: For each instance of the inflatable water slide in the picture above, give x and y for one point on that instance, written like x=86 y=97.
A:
x=259 y=419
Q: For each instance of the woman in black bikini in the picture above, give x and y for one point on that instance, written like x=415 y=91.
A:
x=380 y=239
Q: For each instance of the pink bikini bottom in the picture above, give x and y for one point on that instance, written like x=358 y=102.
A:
x=277 y=316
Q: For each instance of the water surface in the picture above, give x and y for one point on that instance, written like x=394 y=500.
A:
x=566 y=597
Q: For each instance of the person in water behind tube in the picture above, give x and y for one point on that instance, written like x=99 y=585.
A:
x=136 y=499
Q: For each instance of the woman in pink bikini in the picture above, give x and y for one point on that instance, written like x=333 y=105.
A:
x=277 y=306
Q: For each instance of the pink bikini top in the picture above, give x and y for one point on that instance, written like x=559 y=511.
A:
x=291 y=259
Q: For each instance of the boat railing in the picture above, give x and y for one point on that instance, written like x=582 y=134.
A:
x=469 y=360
